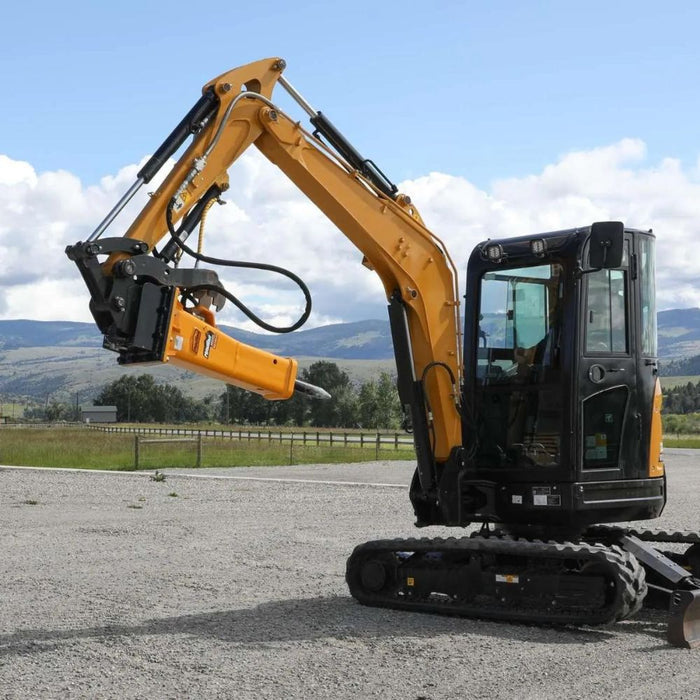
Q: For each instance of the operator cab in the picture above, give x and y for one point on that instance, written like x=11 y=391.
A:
x=560 y=367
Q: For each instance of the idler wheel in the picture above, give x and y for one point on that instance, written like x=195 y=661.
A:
x=373 y=575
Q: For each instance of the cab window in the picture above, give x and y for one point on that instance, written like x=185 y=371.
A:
x=606 y=312
x=519 y=324
x=648 y=296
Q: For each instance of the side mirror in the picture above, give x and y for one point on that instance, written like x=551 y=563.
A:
x=605 y=244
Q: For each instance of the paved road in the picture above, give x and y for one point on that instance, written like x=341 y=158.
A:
x=115 y=587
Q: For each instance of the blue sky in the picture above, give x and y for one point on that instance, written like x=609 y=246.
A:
x=482 y=90
x=502 y=118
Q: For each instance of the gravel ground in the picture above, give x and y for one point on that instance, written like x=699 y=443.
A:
x=118 y=586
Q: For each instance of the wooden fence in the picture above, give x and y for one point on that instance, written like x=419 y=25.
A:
x=333 y=438
x=139 y=441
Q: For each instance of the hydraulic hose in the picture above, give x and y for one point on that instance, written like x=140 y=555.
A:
x=246 y=265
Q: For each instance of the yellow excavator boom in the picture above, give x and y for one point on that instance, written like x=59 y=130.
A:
x=418 y=275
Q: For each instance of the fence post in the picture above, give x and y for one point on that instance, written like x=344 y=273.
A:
x=291 y=448
x=376 y=453
x=345 y=439
x=362 y=439
x=136 y=451
x=304 y=434
x=396 y=441
x=318 y=438
x=199 y=450
x=331 y=437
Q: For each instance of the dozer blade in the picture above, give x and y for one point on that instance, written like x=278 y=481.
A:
x=684 y=625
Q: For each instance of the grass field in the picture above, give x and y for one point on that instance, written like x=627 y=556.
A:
x=11 y=410
x=90 y=449
x=689 y=441
x=79 y=448
x=671 y=382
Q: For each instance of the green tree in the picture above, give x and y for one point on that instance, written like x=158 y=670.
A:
x=56 y=411
x=131 y=395
x=368 y=406
x=682 y=399
x=246 y=407
x=388 y=402
x=340 y=409
x=140 y=399
x=673 y=423
x=379 y=405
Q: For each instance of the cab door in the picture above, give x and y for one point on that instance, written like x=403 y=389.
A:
x=608 y=425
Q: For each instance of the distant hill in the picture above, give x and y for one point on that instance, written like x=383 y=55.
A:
x=679 y=333
x=41 y=334
x=362 y=340
x=683 y=367
x=62 y=358
x=679 y=337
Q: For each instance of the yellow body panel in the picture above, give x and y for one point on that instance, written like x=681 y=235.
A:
x=199 y=346
x=656 y=465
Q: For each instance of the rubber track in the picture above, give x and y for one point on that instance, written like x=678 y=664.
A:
x=629 y=579
x=613 y=531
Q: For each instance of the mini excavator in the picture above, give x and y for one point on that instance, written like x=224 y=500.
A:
x=539 y=421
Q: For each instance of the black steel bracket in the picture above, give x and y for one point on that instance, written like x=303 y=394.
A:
x=131 y=303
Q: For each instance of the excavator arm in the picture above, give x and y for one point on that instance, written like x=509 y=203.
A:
x=151 y=310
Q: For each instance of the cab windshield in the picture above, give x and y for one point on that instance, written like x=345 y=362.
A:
x=519 y=324
x=519 y=397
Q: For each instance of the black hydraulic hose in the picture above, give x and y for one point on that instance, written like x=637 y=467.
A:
x=189 y=222
x=446 y=367
x=247 y=265
x=240 y=305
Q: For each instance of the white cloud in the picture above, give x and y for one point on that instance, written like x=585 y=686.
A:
x=16 y=172
x=613 y=182
x=268 y=220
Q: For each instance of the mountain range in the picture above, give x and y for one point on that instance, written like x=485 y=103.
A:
x=361 y=340
x=38 y=358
